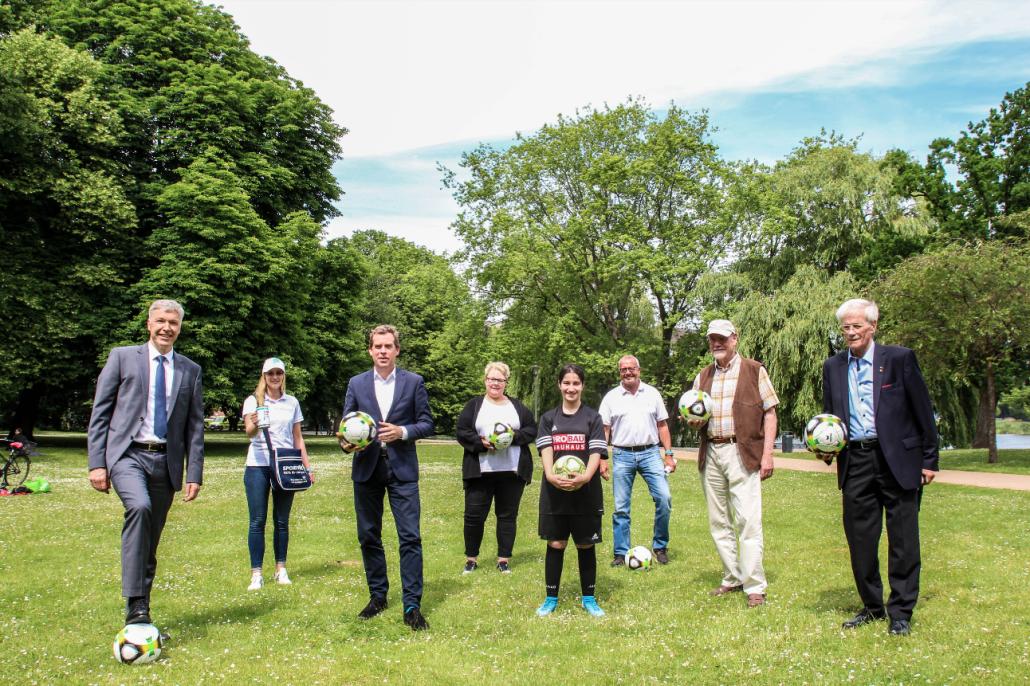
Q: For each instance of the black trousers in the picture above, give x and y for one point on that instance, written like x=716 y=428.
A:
x=505 y=488
x=406 y=508
x=870 y=490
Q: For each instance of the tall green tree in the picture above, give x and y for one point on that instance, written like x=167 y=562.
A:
x=978 y=184
x=965 y=310
x=587 y=237
x=176 y=88
x=440 y=325
x=66 y=223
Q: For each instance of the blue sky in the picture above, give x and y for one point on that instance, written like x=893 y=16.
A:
x=418 y=83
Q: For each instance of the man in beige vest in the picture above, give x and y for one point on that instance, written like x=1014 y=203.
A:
x=734 y=457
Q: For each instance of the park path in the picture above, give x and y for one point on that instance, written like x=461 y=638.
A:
x=1012 y=482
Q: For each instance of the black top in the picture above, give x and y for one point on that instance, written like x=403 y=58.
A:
x=578 y=434
x=468 y=437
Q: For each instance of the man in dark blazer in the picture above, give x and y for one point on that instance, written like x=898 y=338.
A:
x=397 y=400
x=147 y=427
x=879 y=393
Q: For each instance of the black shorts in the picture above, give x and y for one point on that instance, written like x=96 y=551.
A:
x=584 y=529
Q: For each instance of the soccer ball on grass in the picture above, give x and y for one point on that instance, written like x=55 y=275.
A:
x=137 y=644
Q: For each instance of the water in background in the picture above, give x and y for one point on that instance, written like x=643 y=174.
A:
x=1012 y=441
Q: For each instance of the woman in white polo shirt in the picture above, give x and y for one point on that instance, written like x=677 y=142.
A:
x=284 y=431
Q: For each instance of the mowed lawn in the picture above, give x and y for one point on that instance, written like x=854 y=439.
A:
x=59 y=585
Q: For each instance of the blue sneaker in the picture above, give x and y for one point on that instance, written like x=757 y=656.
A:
x=591 y=606
x=549 y=606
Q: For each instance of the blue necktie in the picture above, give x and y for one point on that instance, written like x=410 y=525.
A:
x=160 y=400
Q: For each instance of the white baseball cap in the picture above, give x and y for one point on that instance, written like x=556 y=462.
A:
x=273 y=363
x=721 y=327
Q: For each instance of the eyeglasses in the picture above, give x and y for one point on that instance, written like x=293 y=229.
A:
x=623 y=370
x=492 y=379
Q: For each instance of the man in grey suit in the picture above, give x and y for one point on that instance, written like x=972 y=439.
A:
x=147 y=424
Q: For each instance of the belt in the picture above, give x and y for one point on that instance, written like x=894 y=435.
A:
x=150 y=447
x=635 y=448
x=865 y=443
x=723 y=441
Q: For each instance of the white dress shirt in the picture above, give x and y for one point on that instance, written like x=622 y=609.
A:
x=146 y=429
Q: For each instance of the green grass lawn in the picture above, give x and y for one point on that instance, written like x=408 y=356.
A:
x=60 y=571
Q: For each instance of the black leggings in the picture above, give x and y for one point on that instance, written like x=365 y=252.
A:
x=504 y=487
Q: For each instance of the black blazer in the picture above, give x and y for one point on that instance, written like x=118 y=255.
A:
x=468 y=437
x=902 y=412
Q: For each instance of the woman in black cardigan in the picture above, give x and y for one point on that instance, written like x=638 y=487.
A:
x=493 y=473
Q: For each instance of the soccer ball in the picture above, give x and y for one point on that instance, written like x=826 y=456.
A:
x=358 y=429
x=825 y=435
x=638 y=558
x=137 y=644
x=569 y=466
x=696 y=405
x=502 y=436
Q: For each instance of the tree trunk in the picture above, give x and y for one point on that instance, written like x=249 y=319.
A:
x=26 y=410
x=985 y=422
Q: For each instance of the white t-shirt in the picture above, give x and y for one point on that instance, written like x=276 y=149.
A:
x=284 y=413
x=489 y=415
x=633 y=417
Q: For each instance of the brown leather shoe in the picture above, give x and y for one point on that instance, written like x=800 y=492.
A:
x=723 y=590
x=755 y=599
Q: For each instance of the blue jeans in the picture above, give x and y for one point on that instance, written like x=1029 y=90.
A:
x=626 y=465
x=258 y=482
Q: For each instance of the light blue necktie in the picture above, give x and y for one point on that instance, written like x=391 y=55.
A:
x=160 y=400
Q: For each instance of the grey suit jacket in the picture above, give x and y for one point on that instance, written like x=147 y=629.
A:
x=120 y=405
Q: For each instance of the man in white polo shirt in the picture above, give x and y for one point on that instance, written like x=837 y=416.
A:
x=635 y=422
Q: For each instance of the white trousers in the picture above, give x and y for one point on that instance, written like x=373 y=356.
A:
x=734 y=499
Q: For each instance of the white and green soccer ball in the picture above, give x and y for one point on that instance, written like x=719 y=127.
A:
x=137 y=644
x=358 y=429
x=569 y=466
x=695 y=406
x=638 y=557
x=825 y=434
x=501 y=437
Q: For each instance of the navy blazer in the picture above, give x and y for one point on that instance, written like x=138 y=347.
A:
x=902 y=412
x=410 y=409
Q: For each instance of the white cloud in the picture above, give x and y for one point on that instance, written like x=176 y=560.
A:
x=403 y=75
x=432 y=232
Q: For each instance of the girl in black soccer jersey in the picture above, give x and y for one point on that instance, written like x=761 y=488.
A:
x=571 y=505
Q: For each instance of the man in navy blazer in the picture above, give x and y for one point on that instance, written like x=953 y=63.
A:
x=879 y=393
x=397 y=400
x=146 y=429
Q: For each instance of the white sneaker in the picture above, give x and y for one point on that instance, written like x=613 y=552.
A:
x=282 y=578
x=256 y=582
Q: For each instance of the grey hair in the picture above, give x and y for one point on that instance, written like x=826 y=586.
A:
x=504 y=369
x=166 y=306
x=868 y=308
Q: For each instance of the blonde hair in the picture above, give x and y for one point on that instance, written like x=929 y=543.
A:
x=259 y=392
x=504 y=369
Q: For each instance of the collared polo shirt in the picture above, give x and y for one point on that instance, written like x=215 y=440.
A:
x=633 y=417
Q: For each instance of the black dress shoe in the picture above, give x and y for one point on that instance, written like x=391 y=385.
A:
x=899 y=627
x=137 y=611
x=413 y=618
x=374 y=607
x=864 y=616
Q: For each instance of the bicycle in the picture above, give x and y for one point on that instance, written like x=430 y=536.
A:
x=16 y=464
